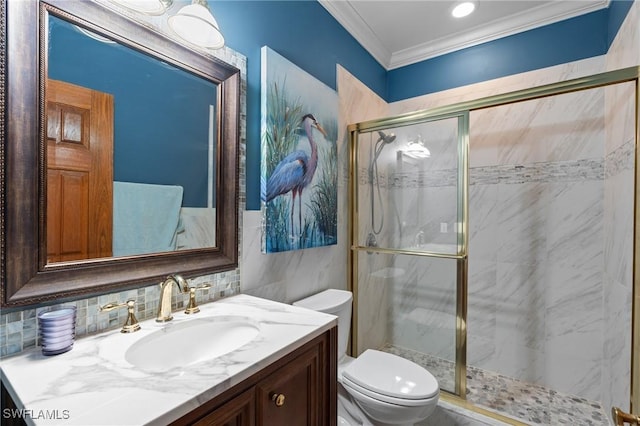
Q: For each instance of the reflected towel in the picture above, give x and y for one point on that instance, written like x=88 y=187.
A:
x=146 y=218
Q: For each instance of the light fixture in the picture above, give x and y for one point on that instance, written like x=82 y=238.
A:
x=195 y=24
x=148 y=7
x=416 y=148
x=463 y=9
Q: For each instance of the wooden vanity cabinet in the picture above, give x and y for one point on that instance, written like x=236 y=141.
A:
x=299 y=389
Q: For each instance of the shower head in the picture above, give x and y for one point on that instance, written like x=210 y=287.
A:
x=386 y=138
x=383 y=140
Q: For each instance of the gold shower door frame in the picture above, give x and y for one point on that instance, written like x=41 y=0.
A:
x=462 y=111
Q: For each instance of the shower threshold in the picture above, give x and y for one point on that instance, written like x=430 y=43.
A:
x=525 y=402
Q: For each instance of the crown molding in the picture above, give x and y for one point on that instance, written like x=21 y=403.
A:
x=349 y=18
x=514 y=24
x=556 y=11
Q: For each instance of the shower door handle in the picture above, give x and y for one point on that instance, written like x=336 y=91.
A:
x=620 y=417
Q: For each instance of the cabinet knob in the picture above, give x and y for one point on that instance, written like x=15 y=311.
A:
x=278 y=399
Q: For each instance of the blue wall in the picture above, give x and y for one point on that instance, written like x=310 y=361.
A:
x=156 y=139
x=570 y=40
x=618 y=10
x=306 y=34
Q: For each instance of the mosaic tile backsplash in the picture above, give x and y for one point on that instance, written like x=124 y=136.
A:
x=19 y=330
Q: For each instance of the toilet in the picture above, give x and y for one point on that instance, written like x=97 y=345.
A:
x=376 y=388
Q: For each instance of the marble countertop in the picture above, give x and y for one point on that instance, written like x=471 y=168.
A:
x=90 y=386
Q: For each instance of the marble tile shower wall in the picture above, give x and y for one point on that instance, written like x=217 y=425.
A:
x=537 y=225
x=619 y=172
x=535 y=246
x=618 y=244
x=18 y=329
x=597 y=182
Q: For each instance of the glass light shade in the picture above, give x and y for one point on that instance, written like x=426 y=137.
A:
x=196 y=25
x=148 y=7
x=416 y=150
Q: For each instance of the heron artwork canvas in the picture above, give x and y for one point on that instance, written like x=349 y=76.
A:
x=299 y=172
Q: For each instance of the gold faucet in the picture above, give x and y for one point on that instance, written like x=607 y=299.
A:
x=164 y=307
x=131 y=324
x=192 y=307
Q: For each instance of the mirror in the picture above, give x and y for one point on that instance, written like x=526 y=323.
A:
x=38 y=117
x=130 y=150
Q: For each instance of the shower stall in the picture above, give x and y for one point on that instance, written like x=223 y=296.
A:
x=493 y=242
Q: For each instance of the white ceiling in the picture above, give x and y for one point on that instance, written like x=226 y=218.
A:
x=401 y=32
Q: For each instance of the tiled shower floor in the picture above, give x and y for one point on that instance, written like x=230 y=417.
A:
x=526 y=402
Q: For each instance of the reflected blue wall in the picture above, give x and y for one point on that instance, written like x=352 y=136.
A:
x=156 y=139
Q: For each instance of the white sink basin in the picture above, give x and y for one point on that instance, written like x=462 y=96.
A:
x=181 y=344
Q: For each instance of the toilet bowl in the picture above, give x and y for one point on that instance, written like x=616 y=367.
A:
x=376 y=388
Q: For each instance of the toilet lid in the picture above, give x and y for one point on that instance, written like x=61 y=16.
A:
x=389 y=375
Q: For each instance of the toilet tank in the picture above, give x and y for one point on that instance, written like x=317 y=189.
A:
x=334 y=302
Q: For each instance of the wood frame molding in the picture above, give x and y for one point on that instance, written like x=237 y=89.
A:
x=26 y=279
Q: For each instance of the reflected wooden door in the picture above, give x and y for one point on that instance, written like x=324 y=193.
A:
x=79 y=172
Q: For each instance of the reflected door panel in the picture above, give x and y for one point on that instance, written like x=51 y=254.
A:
x=79 y=172
x=67 y=214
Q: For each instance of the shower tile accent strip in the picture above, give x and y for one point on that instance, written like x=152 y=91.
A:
x=621 y=158
x=556 y=171
x=525 y=402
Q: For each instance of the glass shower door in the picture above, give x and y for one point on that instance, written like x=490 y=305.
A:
x=410 y=243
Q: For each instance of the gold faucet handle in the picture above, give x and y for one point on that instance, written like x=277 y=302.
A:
x=131 y=324
x=192 y=307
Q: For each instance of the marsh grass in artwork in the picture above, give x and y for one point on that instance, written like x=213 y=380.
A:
x=324 y=200
x=298 y=170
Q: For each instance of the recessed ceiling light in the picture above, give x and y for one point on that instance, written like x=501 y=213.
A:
x=463 y=9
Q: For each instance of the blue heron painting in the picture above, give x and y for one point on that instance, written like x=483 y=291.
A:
x=299 y=158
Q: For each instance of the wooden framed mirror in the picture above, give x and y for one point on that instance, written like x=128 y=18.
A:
x=36 y=265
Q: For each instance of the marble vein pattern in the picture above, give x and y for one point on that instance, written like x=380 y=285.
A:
x=97 y=385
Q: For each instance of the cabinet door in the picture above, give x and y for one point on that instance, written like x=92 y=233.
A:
x=291 y=395
x=237 y=412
